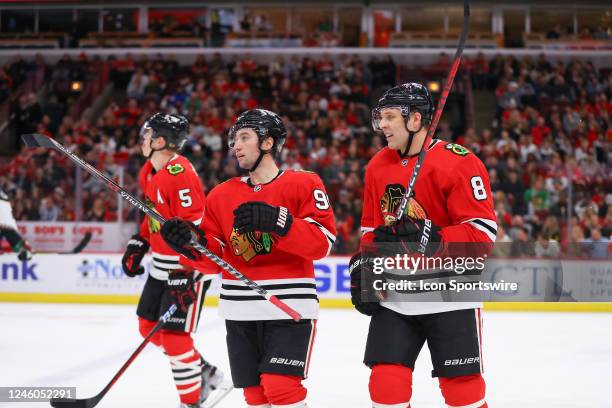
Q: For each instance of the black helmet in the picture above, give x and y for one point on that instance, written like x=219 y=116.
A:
x=266 y=124
x=173 y=128
x=408 y=97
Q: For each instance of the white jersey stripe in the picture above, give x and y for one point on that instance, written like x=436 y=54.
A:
x=331 y=238
x=487 y=226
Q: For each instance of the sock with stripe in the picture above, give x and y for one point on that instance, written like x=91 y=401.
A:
x=186 y=364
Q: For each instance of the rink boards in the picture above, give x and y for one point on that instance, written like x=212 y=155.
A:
x=98 y=278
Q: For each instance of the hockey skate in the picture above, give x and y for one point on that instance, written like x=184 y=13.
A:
x=214 y=386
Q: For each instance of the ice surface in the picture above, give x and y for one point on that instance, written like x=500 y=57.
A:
x=531 y=359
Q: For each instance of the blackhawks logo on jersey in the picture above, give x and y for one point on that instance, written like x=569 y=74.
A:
x=457 y=149
x=251 y=244
x=391 y=200
x=175 y=169
x=154 y=225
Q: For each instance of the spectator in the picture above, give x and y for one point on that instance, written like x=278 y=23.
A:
x=597 y=246
x=48 y=210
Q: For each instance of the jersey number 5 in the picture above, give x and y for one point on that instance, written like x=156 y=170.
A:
x=321 y=200
x=185 y=197
x=478 y=188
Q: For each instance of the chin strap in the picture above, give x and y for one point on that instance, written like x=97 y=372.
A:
x=410 y=137
x=262 y=153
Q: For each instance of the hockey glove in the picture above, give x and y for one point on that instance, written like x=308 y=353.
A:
x=180 y=236
x=258 y=216
x=363 y=295
x=415 y=235
x=181 y=289
x=137 y=248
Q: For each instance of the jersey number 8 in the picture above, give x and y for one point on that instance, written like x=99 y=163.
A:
x=321 y=200
x=478 y=188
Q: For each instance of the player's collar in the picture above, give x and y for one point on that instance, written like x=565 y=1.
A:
x=250 y=183
x=432 y=143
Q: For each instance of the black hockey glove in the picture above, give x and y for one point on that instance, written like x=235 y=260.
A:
x=137 y=248
x=258 y=216
x=181 y=289
x=415 y=235
x=363 y=295
x=180 y=235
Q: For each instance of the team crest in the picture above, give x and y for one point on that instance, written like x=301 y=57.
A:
x=251 y=244
x=154 y=225
x=391 y=200
x=457 y=149
x=175 y=169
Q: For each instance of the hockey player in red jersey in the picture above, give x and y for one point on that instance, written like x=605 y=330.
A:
x=271 y=226
x=451 y=202
x=171 y=186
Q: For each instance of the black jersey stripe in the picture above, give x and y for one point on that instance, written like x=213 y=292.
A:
x=273 y=286
x=485 y=225
x=167 y=261
x=257 y=297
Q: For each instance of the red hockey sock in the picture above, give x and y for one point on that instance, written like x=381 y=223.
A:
x=282 y=389
x=390 y=384
x=254 y=396
x=145 y=326
x=466 y=391
x=185 y=363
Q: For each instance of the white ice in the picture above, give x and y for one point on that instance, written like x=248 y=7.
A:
x=531 y=359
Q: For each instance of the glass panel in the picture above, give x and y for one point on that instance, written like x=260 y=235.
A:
x=120 y=20
x=514 y=27
x=87 y=21
x=54 y=20
x=555 y=23
x=176 y=19
x=595 y=24
x=18 y=21
x=265 y=19
x=349 y=25
x=312 y=19
x=429 y=19
x=480 y=19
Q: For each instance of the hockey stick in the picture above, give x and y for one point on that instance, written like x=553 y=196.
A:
x=38 y=140
x=438 y=113
x=93 y=401
x=80 y=246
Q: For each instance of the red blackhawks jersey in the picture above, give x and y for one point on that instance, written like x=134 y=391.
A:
x=281 y=265
x=452 y=190
x=174 y=191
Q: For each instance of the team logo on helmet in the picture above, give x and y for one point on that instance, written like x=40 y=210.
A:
x=251 y=244
x=457 y=149
x=391 y=200
x=175 y=169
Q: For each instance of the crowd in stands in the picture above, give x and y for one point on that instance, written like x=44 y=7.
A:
x=551 y=132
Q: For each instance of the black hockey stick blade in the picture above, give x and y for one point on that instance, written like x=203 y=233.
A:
x=93 y=401
x=37 y=140
x=83 y=243
x=75 y=403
